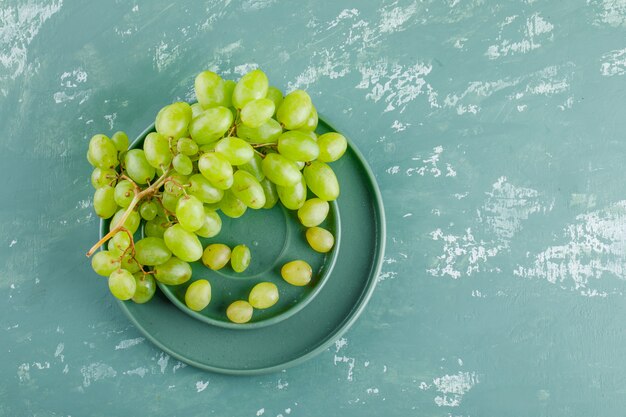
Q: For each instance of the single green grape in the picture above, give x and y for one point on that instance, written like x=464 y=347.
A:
x=101 y=177
x=297 y=273
x=209 y=89
x=173 y=272
x=157 y=151
x=196 y=109
x=122 y=284
x=190 y=213
x=170 y=201
x=240 y=258
x=173 y=120
x=239 y=312
x=148 y=210
x=280 y=170
x=313 y=212
x=198 y=295
x=130 y=264
x=210 y=125
x=257 y=112
x=298 y=146
x=183 y=244
x=295 y=110
x=176 y=183
x=216 y=256
x=187 y=146
x=276 y=96
x=152 y=251
x=229 y=87
x=124 y=193
x=212 y=224
x=216 y=168
x=321 y=240
x=102 y=152
x=104 y=202
x=236 y=151
x=120 y=140
x=119 y=242
x=293 y=196
x=263 y=295
x=271 y=194
x=311 y=122
x=232 y=206
x=90 y=159
x=247 y=189
x=182 y=164
x=202 y=188
x=269 y=132
x=131 y=223
x=309 y=133
x=137 y=166
x=156 y=227
x=105 y=262
x=321 y=180
x=332 y=146
x=251 y=86
x=145 y=287
x=253 y=166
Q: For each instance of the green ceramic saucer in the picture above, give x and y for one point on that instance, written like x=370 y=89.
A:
x=296 y=333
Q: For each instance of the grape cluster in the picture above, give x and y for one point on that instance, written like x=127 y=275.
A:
x=242 y=146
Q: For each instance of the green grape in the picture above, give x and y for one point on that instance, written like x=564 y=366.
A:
x=297 y=146
x=152 y=251
x=253 y=166
x=209 y=147
x=257 y=112
x=213 y=206
x=295 y=110
x=156 y=148
x=293 y=196
x=145 y=287
x=186 y=146
x=216 y=256
x=232 y=206
x=209 y=89
x=263 y=295
x=321 y=240
x=173 y=272
x=311 y=122
x=124 y=193
x=104 y=202
x=240 y=258
x=102 y=152
x=119 y=242
x=216 y=168
x=183 y=244
x=309 y=133
x=210 y=125
x=120 y=140
x=239 y=312
x=104 y=263
x=170 y=201
x=204 y=190
x=90 y=159
x=236 y=151
x=175 y=184
x=280 y=170
x=156 y=227
x=268 y=132
x=196 y=109
x=198 y=295
x=297 y=273
x=300 y=165
x=148 y=210
x=313 y=212
x=130 y=264
x=190 y=213
x=137 y=166
x=271 y=194
x=250 y=87
x=229 y=87
x=212 y=224
x=173 y=120
x=131 y=223
x=276 y=96
x=101 y=177
x=322 y=180
x=182 y=164
x=122 y=284
x=332 y=146
x=247 y=189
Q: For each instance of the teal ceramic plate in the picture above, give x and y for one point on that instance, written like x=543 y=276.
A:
x=310 y=329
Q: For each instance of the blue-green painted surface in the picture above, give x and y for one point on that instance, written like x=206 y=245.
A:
x=496 y=132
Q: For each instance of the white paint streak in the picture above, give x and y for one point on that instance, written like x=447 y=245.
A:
x=392 y=20
x=254 y=5
x=165 y=55
x=430 y=165
x=609 y=12
x=201 y=385
x=260 y=412
x=164 y=359
x=614 y=63
x=141 y=371
x=13 y=242
x=534 y=31
x=95 y=372
x=452 y=388
x=125 y=344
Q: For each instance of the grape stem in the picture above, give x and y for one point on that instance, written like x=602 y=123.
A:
x=153 y=188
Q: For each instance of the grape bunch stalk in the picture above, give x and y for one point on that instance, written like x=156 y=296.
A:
x=242 y=145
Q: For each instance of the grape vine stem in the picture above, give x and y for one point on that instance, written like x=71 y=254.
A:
x=153 y=188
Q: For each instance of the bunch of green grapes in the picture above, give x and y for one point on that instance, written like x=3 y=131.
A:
x=242 y=146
